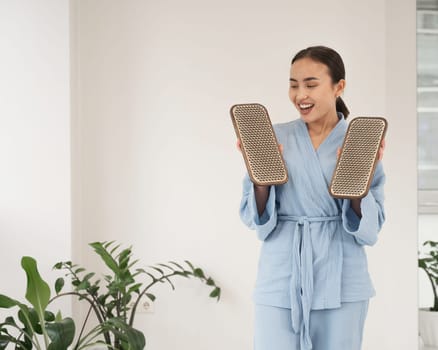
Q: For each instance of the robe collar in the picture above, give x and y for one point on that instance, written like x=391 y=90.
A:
x=340 y=127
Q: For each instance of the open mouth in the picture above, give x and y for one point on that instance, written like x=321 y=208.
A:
x=305 y=107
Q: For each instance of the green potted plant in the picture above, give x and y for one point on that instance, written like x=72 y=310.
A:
x=428 y=317
x=35 y=326
x=113 y=301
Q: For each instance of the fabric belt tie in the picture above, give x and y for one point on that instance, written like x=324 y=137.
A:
x=301 y=286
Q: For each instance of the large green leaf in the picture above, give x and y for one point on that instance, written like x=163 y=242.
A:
x=38 y=291
x=61 y=334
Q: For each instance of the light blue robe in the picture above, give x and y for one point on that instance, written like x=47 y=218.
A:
x=312 y=255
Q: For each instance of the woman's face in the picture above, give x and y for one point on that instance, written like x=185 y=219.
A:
x=312 y=91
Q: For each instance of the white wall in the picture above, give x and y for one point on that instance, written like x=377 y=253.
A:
x=34 y=139
x=394 y=259
x=155 y=163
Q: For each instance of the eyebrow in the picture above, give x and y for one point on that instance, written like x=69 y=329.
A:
x=306 y=79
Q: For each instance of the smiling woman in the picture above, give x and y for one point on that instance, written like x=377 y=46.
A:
x=313 y=286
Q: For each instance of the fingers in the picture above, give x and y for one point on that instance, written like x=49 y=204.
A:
x=238 y=145
x=382 y=149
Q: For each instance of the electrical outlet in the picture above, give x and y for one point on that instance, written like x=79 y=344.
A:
x=145 y=305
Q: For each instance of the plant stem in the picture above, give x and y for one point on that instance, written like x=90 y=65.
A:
x=435 y=296
x=97 y=343
x=44 y=330
x=37 y=343
x=76 y=277
x=83 y=327
x=94 y=333
x=116 y=337
x=92 y=304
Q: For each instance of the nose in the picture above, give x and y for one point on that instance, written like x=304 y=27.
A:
x=298 y=94
x=301 y=95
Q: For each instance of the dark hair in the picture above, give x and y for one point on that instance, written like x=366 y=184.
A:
x=335 y=65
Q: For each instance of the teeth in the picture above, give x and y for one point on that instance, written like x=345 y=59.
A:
x=305 y=105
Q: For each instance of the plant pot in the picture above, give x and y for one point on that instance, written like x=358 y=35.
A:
x=428 y=327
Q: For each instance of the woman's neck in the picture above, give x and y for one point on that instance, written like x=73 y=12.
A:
x=319 y=130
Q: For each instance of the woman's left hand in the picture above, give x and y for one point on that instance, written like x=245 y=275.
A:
x=382 y=149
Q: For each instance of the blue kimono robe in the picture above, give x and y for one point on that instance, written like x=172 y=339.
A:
x=312 y=255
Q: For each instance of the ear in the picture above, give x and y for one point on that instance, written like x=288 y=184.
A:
x=339 y=87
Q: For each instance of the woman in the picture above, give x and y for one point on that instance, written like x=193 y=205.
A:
x=313 y=286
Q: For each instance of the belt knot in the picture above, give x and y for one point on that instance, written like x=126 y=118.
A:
x=301 y=220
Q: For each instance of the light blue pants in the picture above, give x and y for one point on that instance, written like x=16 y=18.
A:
x=330 y=329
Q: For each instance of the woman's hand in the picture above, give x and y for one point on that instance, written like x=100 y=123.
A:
x=382 y=149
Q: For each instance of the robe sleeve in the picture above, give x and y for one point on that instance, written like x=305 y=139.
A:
x=265 y=223
x=366 y=228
